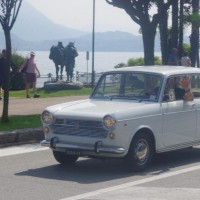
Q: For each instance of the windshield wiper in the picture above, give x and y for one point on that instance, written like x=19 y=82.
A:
x=126 y=97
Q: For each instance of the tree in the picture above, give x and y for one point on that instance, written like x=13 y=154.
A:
x=194 y=37
x=174 y=31
x=181 y=22
x=164 y=32
x=9 y=10
x=139 y=11
x=192 y=18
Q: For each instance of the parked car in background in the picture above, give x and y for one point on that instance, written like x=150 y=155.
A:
x=132 y=113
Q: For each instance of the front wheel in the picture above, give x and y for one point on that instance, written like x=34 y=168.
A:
x=141 y=152
x=64 y=159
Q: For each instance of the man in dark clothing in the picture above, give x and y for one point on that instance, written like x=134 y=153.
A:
x=60 y=46
x=69 y=55
x=2 y=72
x=173 y=58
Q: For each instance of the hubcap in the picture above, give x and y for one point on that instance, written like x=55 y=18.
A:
x=142 y=151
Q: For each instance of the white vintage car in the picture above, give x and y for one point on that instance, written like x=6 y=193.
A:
x=132 y=113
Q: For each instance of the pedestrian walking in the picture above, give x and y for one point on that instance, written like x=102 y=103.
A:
x=31 y=75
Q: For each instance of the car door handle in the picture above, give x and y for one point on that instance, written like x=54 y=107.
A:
x=193 y=105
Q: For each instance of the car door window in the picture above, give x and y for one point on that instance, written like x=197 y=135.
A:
x=169 y=93
x=179 y=88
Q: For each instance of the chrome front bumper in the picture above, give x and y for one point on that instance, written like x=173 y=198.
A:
x=96 y=149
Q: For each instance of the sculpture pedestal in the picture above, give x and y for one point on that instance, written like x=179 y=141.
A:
x=63 y=85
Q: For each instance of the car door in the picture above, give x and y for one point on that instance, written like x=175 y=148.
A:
x=197 y=101
x=179 y=122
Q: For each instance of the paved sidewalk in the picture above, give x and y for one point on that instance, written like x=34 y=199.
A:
x=24 y=106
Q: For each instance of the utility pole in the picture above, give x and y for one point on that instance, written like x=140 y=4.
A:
x=93 y=43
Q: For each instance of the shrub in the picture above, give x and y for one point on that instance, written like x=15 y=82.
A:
x=157 y=60
x=186 y=48
x=120 y=65
x=17 y=81
x=135 y=61
x=140 y=61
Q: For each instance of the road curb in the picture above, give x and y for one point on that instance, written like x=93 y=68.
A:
x=27 y=135
x=17 y=108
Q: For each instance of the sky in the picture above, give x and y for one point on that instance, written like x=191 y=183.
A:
x=78 y=14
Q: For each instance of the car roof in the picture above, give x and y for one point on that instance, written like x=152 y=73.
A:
x=165 y=70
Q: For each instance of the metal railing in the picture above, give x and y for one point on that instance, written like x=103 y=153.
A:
x=84 y=77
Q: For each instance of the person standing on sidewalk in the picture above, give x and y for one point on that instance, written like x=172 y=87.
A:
x=173 y=57
x=32 y=73
x=185 y=60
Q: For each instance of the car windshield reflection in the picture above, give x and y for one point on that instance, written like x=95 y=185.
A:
x=128 y=86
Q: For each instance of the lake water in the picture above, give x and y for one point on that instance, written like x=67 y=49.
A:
x=103 y=61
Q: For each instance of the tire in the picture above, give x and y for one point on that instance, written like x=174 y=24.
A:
x=64 y=159
x=141 y=152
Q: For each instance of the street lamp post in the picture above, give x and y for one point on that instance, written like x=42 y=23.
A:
x=93 y=42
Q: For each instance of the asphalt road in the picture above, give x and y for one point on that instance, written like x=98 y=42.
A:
x=31 y=172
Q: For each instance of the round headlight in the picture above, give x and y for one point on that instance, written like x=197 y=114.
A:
x=109 y=122
x=47 y=117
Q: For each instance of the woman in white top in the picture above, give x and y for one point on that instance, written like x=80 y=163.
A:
x=185 y=60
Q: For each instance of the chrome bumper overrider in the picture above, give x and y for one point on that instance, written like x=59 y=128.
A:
x=96 y=148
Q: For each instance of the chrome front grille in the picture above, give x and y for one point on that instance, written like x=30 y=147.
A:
x=81 y=128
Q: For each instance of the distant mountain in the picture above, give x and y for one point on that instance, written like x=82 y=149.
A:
x=115 y=41
x=32 y=25
x=107 y=41
x=110 y=41
x=34 y=31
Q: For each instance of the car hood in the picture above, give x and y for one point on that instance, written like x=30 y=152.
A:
x=97 y=109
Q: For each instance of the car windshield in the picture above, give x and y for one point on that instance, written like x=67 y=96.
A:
x=128 y=86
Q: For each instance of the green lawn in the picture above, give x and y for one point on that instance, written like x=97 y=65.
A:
x=60 y=93
x=20 y=122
